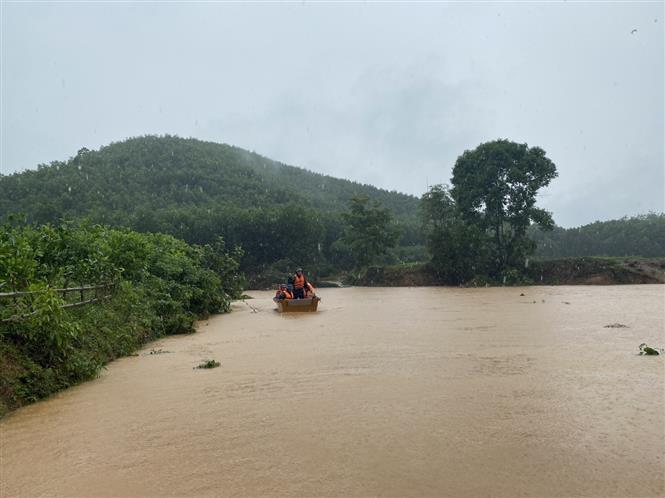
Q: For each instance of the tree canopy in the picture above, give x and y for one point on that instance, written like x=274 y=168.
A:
x=198 y=191
x=370 y=230
x=495 y=187
x=642 y=235
x=458 y=249
x=479 y=226
x=283 y=216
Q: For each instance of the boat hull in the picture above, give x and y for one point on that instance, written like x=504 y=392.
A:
x=297 y=305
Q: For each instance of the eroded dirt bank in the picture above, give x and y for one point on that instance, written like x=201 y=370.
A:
x=397 y=392
x=570 y=271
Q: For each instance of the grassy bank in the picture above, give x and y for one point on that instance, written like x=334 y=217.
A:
x=161 y=286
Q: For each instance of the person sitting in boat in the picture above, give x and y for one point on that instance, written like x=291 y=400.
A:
x=309 y=290
x=283 y=292
x=299 y=284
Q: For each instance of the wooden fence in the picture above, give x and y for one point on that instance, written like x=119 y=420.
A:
x=101 y=292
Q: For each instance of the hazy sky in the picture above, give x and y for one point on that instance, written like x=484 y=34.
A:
x=382 y=93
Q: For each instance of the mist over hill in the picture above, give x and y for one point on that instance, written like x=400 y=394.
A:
x=279 y=214
x=198 y=191
x=152 y=172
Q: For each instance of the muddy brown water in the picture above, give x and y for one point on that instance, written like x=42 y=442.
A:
x=384 y=392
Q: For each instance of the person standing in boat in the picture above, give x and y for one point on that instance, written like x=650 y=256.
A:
x=299 y=284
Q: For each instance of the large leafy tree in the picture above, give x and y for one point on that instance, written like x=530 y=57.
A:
x=370 y=230
x=458 y=249
x=495 y=188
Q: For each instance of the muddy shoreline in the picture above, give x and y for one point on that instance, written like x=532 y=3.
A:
x=571 y=271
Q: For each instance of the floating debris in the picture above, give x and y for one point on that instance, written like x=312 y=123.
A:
x=209 y=364
x=616 y=326
x=159 y=351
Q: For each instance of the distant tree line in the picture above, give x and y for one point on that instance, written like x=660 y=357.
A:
x=642 y=235
x=485 y=224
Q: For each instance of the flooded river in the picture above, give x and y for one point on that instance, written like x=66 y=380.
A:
x=383 y=392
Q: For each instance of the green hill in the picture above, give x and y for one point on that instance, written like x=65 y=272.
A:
x=642 y=235
x=198 y=190
x=281 y=215
x=162 y=172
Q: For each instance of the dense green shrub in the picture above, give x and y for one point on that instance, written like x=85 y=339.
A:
x=161 y=286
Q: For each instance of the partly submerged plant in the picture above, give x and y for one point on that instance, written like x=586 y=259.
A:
x=209 y=364
x=646 y=350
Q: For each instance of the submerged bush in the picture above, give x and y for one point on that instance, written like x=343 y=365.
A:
x=648 y=351
x=209 y=364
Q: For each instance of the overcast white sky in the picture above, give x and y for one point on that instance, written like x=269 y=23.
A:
x=382 y=93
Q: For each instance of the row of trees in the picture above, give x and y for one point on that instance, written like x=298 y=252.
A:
x=642 y=235
x=485 y=223
x=479 y=226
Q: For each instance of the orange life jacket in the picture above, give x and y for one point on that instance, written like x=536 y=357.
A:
x=298 y=281
x=283 y=294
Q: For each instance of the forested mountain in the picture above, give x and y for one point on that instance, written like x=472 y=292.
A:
x=642 y=235
x=151 y=172
x=280 y=215
x=198 y=190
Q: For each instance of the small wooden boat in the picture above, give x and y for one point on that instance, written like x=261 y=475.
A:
x=297 y=305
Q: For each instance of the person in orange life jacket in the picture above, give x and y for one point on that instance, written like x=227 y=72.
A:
x=299 y=284
x=309 y=290
x=283 y=293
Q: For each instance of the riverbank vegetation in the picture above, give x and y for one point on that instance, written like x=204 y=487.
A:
x=284 y=217
x=642 y=235
x=152 y=285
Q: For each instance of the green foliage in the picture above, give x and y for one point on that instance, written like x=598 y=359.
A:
x=209 y=364
x=459 y=250
x=478 y=229
x=370 y=231
x=637 y=236
x=649 y=351
x=162 y=284
x=494 y=188
x=197 y=191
